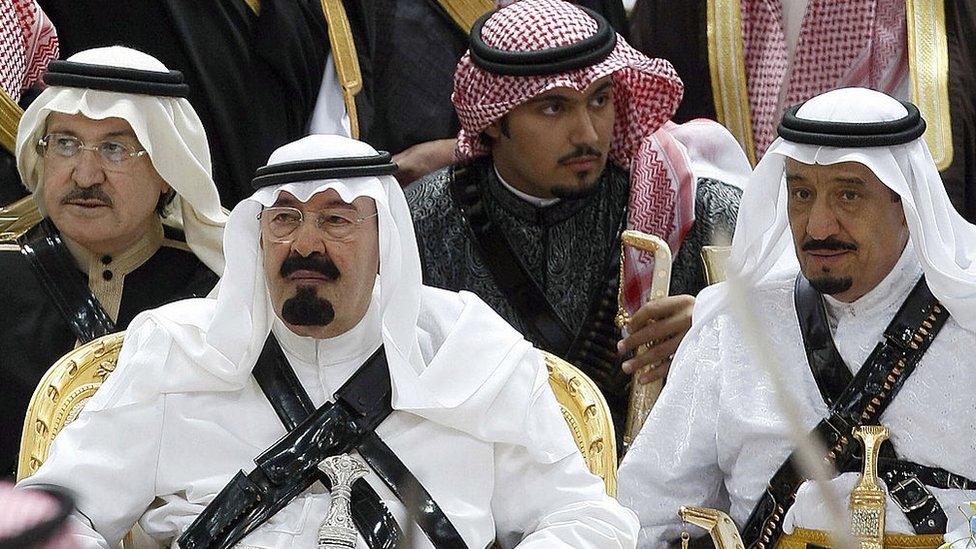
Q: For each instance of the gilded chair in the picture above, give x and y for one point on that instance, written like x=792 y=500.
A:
x=60 y=396
x=72 y=380
x=588 y=416
x=18 y=216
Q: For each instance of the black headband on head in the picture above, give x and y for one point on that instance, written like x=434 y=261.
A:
x=116 y=79
x=852 y=134
x=327 y=168
x=585 y=53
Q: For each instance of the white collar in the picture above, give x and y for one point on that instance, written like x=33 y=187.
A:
x=534 y=200
x=893 y=289
x=353 y=346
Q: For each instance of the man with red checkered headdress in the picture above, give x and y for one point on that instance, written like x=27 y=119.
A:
x=746 y=61
x=565 y=142
x=28 y=42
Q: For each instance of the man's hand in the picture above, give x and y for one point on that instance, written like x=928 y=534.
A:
x=423 y=158
x=661 y=323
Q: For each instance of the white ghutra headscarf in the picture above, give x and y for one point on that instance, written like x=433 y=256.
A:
x=167 y=127
x=944 y=242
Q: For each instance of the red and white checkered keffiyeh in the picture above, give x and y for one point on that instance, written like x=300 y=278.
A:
x=842 y=44
x=646 y=93
x=28 y=42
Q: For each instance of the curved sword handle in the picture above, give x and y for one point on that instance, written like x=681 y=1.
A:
x=719 y=525
x=642 y=396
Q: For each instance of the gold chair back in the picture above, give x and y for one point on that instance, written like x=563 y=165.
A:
x=71 y=381
x=60 y=396
x=588 y=416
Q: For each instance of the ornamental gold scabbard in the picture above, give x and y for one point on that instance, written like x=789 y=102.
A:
x=868 y=497
x=642 y=396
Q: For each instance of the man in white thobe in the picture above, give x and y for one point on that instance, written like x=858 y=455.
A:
x=868 y=216
x=473 y=417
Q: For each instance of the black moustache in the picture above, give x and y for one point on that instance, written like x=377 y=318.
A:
x=580 y=152
x=316 y=263
x=830 y=244
x=87 y=193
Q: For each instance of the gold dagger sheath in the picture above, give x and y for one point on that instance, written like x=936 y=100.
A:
x=868 y=497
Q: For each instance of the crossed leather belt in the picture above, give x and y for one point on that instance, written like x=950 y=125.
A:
x=859 y=400
x=290 y=466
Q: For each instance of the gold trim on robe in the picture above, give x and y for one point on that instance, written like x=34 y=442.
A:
x=18 y=217
x=726 y=61
x=465 y=12
x=10 y=113
x=801 y=538
x=928 y=63
x=255 y=6
x=345 y=58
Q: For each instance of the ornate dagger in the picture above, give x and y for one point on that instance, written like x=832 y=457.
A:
x=868 y=497
x=338 y=530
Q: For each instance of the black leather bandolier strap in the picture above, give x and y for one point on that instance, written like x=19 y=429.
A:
x=861 y=402
x=290 y=466
x=507 y=270
x=52 y=264
x=595 y=349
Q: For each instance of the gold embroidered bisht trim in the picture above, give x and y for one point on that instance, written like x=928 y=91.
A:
x=18 y=217
x=345 y=58
x=109 y=291
x=928 y=63
x=800 y=537
x=726 y=62
x=465 y=12
x=10 y=113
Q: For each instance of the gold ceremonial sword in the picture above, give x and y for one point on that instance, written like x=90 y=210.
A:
x=719 y=525
x=868 y=497
x=642 y=396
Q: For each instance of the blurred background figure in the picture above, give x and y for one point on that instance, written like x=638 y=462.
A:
x=259 y=72
x=745 y=61
x=34 y=519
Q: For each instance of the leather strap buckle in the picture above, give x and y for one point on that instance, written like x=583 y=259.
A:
x=911 y=495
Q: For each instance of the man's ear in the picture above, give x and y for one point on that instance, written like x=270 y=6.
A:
x=494 y=130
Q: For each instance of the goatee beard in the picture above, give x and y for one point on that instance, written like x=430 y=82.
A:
x=575 y=193
x=307 y=309
x=832 y=285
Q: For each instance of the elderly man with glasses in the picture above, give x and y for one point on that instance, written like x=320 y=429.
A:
x=326 y=398
x=117 y=162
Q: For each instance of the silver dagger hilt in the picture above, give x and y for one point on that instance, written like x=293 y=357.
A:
x=338 y=530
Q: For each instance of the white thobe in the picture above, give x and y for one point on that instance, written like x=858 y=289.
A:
x=162 y=460
x=717 y=434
